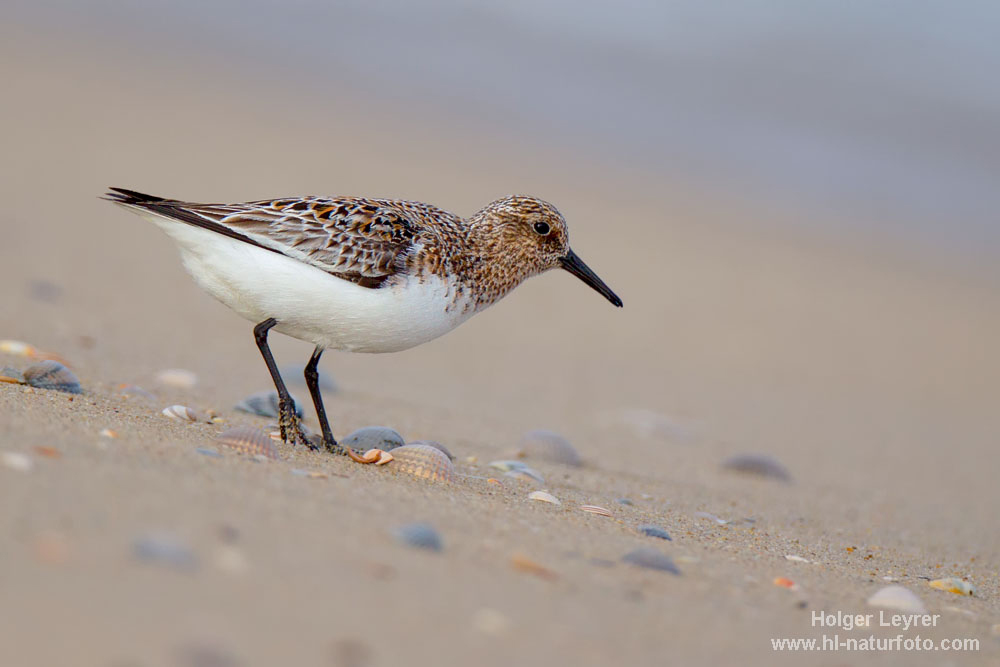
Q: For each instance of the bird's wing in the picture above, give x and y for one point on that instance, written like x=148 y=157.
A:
x=357 y=239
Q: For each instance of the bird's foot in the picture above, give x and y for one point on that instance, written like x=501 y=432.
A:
x=291 y=427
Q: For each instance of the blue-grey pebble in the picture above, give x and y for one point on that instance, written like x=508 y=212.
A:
x=420 y=536
x=265 y=404
x=373 y=437
x=654 y=531
x=52 y=375
x=652 y=559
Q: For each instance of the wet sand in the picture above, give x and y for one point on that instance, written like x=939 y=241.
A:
x=871 y=376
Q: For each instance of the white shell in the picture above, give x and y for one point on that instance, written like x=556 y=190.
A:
x=898 y=598
x=544 y=496
x=953 y=585
x=594 y=509
x=181 y=412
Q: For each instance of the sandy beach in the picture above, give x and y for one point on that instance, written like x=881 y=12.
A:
x=868 y=371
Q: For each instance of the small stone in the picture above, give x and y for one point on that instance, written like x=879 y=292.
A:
x=373 y=437
x=165 y=550
x=711 y=517
x=654 y=531
x=548 y=446
x=624 y=501
x=651 y=558
x=17 y=461
x=758 y=464
x=897 y=598
x=419 y=535
x=52 y=375
x=108 y=433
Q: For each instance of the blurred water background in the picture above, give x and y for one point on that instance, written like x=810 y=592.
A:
x=877 y=118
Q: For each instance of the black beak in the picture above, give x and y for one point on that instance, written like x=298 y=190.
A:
x=575 y=265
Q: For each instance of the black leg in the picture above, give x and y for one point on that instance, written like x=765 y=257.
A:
x=288 y=422
x=312 y=381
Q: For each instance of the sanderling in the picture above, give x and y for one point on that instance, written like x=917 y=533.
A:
x=357 y=274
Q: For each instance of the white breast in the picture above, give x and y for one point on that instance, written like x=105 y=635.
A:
x=313 y=305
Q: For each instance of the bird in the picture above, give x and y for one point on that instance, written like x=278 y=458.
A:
x=358 y=274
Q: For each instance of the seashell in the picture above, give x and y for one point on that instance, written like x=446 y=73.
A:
x=376 y=456
x=898 y=598
x=544 y=496
x=594 y=509
x=17 y=461
x=548 y=446
x=654 y=531
x=177 y=378
x=525 y=475
x=249 y=440
x=311 y=474
x=953 y=585
x=108 y=433
x=797 y=559
x=373 y=437
x=265 y=404
x=53 y=375
x=419 y=535
x=758 y=464
x=423 y=461
x=11 y=375
x=711 y=517
x=435 y=445
x=182 y=412
x=652 y=559
x=23 y=349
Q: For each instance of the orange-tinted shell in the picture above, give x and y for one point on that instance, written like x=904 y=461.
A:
x=249 y=440
x=422 y=461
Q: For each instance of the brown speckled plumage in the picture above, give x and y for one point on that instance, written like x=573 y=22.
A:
x=378 y=242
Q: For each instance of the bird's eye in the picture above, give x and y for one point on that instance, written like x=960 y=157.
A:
x=542 y=228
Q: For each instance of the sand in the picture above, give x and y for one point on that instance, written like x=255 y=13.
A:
x=869 y=371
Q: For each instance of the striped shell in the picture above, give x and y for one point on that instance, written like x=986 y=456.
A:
x=249 y=440
x=594 y=509
x=422 y=461
x=52 y=375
